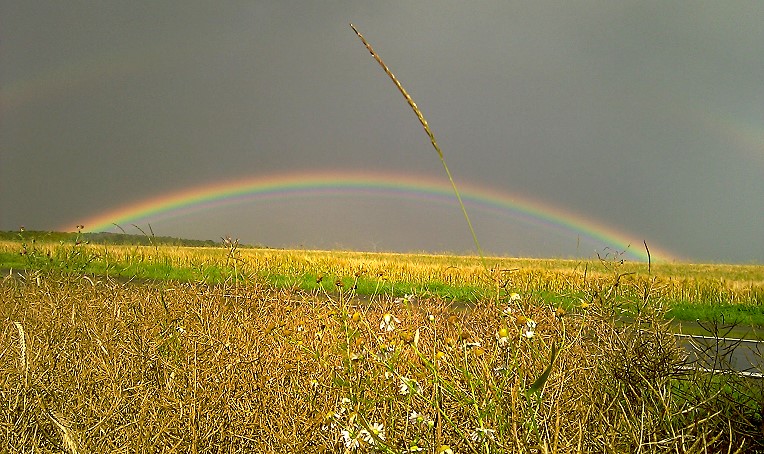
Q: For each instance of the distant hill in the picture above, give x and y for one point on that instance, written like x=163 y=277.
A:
x=102 y=238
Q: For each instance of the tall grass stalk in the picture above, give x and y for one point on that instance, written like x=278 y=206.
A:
x=430 y=134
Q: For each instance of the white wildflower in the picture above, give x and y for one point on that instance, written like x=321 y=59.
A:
x=388 y=322
x=384 y=352
x=406 y=299
x=351 y=438
x=420 y=419
x=481 y=435
x=376 y=432
x=530 y=328
x=408 y=386
x=500 y=369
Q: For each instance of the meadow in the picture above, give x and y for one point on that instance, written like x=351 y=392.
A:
x=120 y=348
x=728 y=294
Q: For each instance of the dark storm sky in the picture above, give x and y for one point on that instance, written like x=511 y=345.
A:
x=647 y=117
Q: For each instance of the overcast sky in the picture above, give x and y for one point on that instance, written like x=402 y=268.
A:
x=646 y=117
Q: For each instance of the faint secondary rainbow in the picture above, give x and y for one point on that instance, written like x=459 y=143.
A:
x=324 y=184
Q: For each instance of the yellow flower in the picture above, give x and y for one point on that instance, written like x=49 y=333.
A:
x=502 y=336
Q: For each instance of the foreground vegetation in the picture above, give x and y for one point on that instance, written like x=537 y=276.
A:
x=115 y=348
x=96 y=364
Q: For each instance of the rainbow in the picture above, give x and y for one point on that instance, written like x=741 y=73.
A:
x=324 y=184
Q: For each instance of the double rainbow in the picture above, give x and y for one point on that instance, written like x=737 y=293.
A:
x=417 y=187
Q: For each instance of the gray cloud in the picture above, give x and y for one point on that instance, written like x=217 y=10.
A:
x=646 y=117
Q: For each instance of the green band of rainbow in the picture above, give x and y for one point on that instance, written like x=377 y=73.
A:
x=300 y=184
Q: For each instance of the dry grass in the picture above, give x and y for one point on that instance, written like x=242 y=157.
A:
x=92 y=365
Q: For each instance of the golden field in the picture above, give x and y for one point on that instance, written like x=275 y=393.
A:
x=308 y=351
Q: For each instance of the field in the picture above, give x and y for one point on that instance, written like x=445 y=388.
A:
x=166 y=348
x=727 y=294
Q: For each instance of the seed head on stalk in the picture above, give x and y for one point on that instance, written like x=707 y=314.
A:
x=429 y=132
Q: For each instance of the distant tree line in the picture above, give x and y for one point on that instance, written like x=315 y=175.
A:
x=102 y=238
